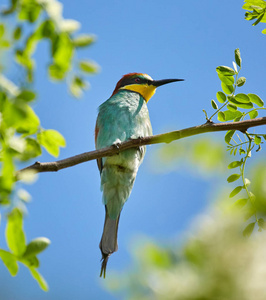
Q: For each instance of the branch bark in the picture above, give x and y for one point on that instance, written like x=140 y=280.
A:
x=168 y=137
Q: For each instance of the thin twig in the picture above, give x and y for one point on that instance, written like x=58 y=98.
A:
x=155 y=139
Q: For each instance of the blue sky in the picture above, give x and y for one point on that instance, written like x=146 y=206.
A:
x=165 y=39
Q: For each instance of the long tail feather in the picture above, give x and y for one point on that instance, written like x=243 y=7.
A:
x=108 y=244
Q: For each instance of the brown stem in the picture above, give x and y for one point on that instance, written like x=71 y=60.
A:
x=155 y=139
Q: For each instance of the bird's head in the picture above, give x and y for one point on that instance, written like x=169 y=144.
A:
x=141 y=83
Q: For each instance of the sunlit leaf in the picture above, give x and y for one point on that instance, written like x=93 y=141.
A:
x=243 y=98
x=214 y=105
x=2 y=30
x=36 y=246
x=231 y=107
x=9 y=261
x=221 y=116
x=241 y=81
x=240 y=203
x=88 y=66
x=228 y=89
x=225 y=70
x=235 y=191
x=256 y=99
x=229 y=136
x=234 y=164
x=26 y=95
x=231 y=115
x=221 y=97
x=257 y=140
x=51 y=140
x=233 y=100
x=17 y=33
x=38 y=277
x=15 y=236
x=83 y=40
x=233 y=177
x=249 y=229
x=238 y=57
x=253 y=114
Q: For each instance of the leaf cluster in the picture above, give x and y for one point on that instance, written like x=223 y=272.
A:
x=255 y=10
x=45 y=22
x=22 y=136
x=20 y=251
x=236 y=107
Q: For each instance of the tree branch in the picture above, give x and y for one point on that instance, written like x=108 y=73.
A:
x=155 y=139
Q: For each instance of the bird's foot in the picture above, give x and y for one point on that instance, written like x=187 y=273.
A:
x=116 y=145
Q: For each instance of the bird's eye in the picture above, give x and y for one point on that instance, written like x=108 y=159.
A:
x=137 y=80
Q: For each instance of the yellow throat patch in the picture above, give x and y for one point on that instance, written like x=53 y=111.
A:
x=146 y=91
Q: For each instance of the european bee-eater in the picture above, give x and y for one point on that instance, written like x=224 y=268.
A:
x=122 y=117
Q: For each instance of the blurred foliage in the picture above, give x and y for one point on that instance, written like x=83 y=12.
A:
x=24 y=24
x=204 y=155
x=215 y=260
x=255 y=10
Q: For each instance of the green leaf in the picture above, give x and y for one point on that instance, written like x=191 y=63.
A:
x=51 y=140
x=262 y=223
x=253 y=114
x=232 y=107
x=225 y=70
x=30 y=262
x=257 y=140
x=241 y=81
x=36 y=246
x=249 y=229
x=15 y=236
x=240 y=203
x=226 y=79
x=77 y=86
x=232 y=115
x=38 y=277
x=233 y=178
x=258 y=20
x=17 y=33
x=56 y=72
x=256 y=100
x=221 y=116
x=229 y=136
x=32 y=149
x=235 y=191
x=88 y=66
x=46 y=29
x=243 y=98
x=2 y=30
x=249 y=212
x=4 y=44
x=9 y=261
x=62 y=51
x=83 y=40
x=234 y=164
x=238 y=57
x=214 y=105
x=228 y=89
x=221 y=97
x=26 y=95
x=233 y=100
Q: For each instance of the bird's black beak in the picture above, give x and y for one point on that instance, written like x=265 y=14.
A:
x=164 y=81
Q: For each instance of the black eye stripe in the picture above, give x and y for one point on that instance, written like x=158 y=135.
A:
x=128 y=81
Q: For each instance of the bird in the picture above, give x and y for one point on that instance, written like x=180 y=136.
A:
x=122 y=117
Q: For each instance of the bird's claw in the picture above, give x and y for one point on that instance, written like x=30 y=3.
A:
x=116 y=145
